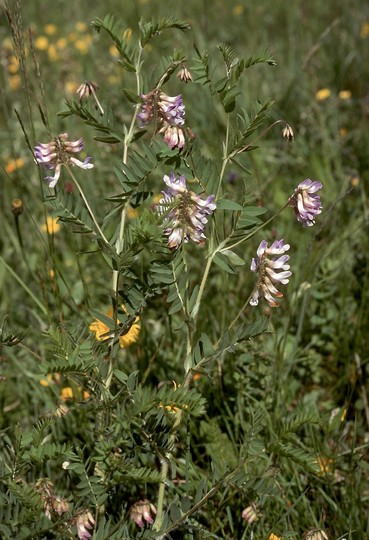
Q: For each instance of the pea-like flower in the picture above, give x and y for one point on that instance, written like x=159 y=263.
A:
x=142 y=511
x=84 y=522
x=87 y=89
x=168 y=112
x=306 y=202
x=58 y=152
x=267 y=269
x=184 y=212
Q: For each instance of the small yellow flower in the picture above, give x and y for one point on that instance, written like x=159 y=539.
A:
x=14 y=164
x=238 y=10
x=364 y=30
x=71 y=87
x=72 y=36
x=82 y=46
x=61 y=43
x=273 y=536
x=80 y=26
x=325 y=465
x=50 y=29
x=101 y=328
x=343 y=132
x=156 y=198
x=53 y=53
x=51 y=226
x=41 y=43
x=13 y=68
x=132 y=213
x=15 y=82
x=127 y=35
x=322 y=94
x=114 y=51
x=344 y=94
x=46 y=382
x=66 y=393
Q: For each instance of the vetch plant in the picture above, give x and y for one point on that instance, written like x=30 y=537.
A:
x=150 y=451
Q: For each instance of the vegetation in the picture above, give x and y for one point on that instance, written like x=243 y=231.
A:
x=183 y=317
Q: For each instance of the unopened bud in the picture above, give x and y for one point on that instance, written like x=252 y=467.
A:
x=288 y=133
x=315 y=534
x=184 y=75
x=17 y=207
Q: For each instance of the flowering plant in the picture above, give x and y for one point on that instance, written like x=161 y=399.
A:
x=167 y=224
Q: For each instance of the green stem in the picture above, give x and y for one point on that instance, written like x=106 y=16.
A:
x=24 y=286
x=87 y=204
x=252 y=233
x=160 y=504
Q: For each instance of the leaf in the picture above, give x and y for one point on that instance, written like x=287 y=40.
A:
x=226 y=204
x=150 y=29
x=222 y=261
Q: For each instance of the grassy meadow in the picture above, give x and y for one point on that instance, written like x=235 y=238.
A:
x=141 y=394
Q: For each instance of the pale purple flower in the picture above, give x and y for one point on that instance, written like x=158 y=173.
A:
x=184 y=212
x=172 y=108
x=173 y=135
x=251 y=513
x=306 y=203
x=84 y=522
x=55 y=154
x=267 y=269
x=142 y=511
x=168 y=113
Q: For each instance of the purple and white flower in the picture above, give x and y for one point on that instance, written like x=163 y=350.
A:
x=141 y=512
x=84 y=521
x=306 y=202
x=184 y=213
x=271 y=271
x=55 y=154
x=168 y=113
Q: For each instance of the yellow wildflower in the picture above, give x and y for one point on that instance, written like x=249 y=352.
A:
x=127 y=35
x=51 y=226
x=324 y=464
x=344 y=94
x=46 y=382
x=82 y=46
x=343 y=132
x=15 y=82
x=53 y=53
x=13 y=67
x=322 y=94
x=273 y=536
x=71 y=87
x=127 y=339
x=80 y=26
x=72 y=36
x=238 y=10
x=364 y=30
x=66 y=393
x=61 y=43
x=41 y=43
x=132 y=213
x=14 y=164
x=113 y=51
x=50 y=29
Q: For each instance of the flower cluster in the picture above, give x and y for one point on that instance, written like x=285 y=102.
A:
x=268 y=276
x=168 y=112
x=185 y=213
x=84 y=522
x=305 y=202
x=142 y=511
x=102 y=331
x=52 y=503
x=59 y=152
